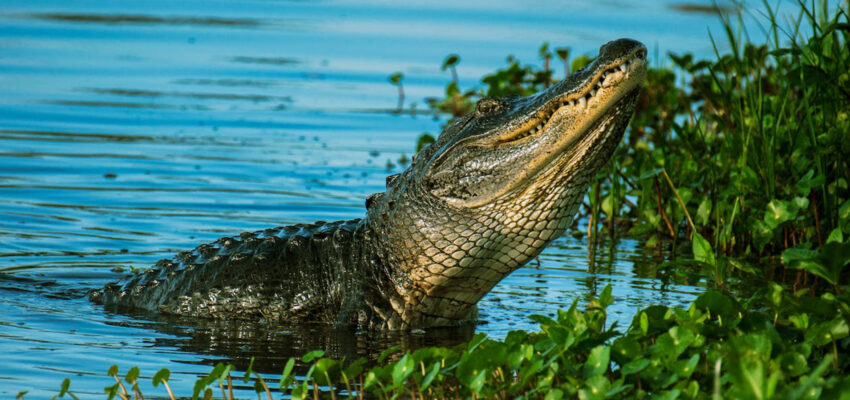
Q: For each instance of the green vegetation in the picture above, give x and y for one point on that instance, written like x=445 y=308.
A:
x=749 y=151
x=741 y=161
x=792 y=346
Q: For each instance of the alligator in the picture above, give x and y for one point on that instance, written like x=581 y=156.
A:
x=487 y=196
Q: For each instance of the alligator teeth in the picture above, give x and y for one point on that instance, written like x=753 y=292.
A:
x=623 y=67
x=582 y=102
x=593 y=93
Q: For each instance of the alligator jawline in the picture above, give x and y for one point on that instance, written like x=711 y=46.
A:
x=570 y=100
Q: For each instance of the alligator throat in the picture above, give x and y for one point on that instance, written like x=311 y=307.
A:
x=496 y=187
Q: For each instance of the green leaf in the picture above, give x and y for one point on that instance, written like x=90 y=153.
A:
x=795 y=254
x=543 y=320
x=302 y=391
x=635 y=366
x=718 y=303
x=286 y=377
x=66 y=383
x=816 y=268
x=111 y=391
x=775 y=294
x=580 y=62
x=702 y=250
x=200 y=384
x=671 y=394
x=554 y=394
x=844 y=211
x=793 y=363
x=113 y=370
x=314 y=355
x=132 y=375
x=824 y=333
x=836 y=236
x=429 y=377
x=704 y=211
x=674 y=342
x=450 y=61
x=424 y=140
x=250 y=369
x=478 y=382
x=743 y=266
x=355 y=368
x=605 y=298
x=563 y=53
x=396 y=78
x=402 y=369
x=835 y=256
x=326 y=371
x=650 y=173
x=625 y=349
x=476 y=341
x=595 y=388
x=616 y=388
x=597 y=361
x=160 y=376
x=747 y=367
x=371 y=380
x=684 y=368
x=386 y=353
x=215 y=373
x=644 y=323
x=777 y=212
x=258 y=388
x=452 y=90
x=799 y=203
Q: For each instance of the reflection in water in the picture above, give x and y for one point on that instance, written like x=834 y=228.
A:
x=272 y=345
x=146 y=19
x=217 y=96
x=265 y=60
x=130 y=131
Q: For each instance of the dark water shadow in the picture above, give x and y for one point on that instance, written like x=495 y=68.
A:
x=272 y=344
x=115 y=19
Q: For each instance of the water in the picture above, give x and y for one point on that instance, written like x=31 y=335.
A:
x=130 y=131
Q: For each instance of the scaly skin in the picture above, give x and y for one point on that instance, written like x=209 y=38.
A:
x=496 y=187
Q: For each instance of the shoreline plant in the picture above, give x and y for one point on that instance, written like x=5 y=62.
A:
x=774 y=344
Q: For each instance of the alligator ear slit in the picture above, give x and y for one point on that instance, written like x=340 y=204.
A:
x=391 y=179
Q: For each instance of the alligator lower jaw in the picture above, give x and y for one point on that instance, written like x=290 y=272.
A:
x=598 y=133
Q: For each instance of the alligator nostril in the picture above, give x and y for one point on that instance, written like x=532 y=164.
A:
x=641 y=54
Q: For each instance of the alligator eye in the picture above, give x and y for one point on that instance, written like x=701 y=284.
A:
x=487 y=105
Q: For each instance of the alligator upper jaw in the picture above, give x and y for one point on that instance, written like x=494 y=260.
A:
x=585 y=102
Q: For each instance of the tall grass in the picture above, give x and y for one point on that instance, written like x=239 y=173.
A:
x=755 y=142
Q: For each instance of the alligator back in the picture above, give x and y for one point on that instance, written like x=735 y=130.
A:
x=300 y=273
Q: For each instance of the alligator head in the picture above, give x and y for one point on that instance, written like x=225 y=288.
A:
x=496 y=187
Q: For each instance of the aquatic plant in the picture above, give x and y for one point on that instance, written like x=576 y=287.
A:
x=749 y=150
x=395 y=79
x=774 y=344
